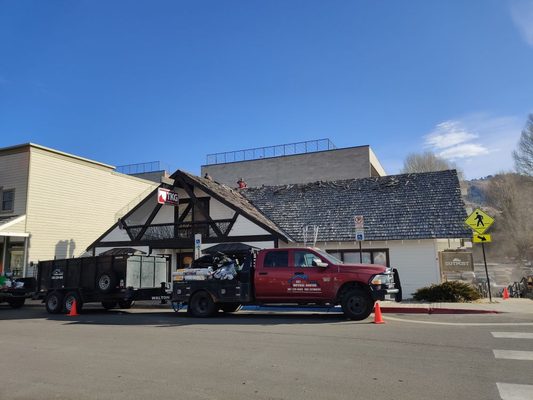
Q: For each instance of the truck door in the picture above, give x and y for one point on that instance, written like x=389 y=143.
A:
x=309 y=281
x=272 y=277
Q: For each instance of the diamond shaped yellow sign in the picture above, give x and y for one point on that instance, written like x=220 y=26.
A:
x=479 y=221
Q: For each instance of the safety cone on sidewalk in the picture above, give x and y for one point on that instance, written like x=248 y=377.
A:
x=505 y=294
x=378 y=319
x=73 y=310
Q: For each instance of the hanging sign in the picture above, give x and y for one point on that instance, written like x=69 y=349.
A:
x=166 y=196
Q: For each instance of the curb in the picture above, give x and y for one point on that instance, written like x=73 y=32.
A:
x=431 y=310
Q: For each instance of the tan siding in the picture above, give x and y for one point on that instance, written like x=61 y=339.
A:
x=19 y=227
x=71 y=203
x=14 y=175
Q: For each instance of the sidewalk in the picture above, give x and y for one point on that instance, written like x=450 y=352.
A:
x=498 y=305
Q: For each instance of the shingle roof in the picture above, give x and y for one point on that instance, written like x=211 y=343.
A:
x=226 y=194
x=395 y=207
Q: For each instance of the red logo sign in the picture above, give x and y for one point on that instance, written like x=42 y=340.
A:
x=165 y=196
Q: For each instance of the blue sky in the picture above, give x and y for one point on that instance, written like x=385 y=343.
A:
x=133 y=81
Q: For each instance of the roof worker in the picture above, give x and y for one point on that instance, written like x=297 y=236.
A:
x=207 y=176
x=241 y=183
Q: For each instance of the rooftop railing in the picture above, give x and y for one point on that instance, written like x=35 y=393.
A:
x=141 y=168
x=310 y=146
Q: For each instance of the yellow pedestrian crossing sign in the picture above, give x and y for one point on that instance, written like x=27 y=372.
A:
x=479 y=221
x=482 y=238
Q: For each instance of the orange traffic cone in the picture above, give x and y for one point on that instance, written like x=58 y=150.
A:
x=377 y=315
x=505 y=294
x=73 y=310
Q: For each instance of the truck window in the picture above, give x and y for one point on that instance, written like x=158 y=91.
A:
x=304 y=258
x=277 y=259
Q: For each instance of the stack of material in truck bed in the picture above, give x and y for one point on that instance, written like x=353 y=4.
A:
x=193 y=274
x=226 y=272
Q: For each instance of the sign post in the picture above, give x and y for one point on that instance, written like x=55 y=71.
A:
x=360 y=234
x=197 y=246
x=479 y=222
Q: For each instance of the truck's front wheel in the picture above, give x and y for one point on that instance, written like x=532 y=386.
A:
x=201 y=305
x=357 y=304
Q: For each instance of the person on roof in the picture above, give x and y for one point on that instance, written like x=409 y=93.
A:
x=241 y=183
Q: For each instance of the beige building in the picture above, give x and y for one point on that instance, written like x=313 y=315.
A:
x=303 y=162
x=54 y=204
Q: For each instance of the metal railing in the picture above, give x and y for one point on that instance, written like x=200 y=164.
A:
x=141 y=168
x=310 y=146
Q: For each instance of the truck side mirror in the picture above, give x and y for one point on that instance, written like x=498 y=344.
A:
x=317 y=262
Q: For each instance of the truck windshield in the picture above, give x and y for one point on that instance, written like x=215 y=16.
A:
x=329 y=257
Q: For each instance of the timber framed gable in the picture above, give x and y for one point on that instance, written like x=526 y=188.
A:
x=217 y=212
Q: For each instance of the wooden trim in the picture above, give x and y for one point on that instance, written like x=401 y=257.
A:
x=232 y=222
x=141 y=203
x=198 y=204
x=185 y=213
x=149 y=221
x=206 y=189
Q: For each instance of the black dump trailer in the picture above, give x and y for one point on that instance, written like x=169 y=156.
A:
x=15 y=291
x=112 y=280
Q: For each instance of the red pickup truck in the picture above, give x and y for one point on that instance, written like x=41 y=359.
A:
x=289 y=276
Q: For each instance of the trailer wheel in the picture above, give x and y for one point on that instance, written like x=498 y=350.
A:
x=357 y=304
x=125 y=304
x=16 y=303
x=68 y=301
x=201 y=305
x=229 y=307
x=108 y=305
x=54 y=302
x=106 y=282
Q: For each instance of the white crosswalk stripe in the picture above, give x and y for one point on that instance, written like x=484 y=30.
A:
x=513 y=335
x=514 y=355
x=511 y=391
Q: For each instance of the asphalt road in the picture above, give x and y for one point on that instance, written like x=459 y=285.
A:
x=155 y=353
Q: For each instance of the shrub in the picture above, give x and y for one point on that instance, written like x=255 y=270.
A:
x=453 y=291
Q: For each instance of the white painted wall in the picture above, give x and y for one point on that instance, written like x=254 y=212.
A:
x=117 y=235
x=244 y=227
x=218 y=210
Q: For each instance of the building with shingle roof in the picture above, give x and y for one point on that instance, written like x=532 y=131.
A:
x=395 y=207
x=408 y=220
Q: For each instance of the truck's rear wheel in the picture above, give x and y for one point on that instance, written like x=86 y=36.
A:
x=108 y=305
x=229 y=307
x=201 y=305
x=357 y=304
x=68 y=301
x=54 y=302
x=17 y=302
x=125 y=304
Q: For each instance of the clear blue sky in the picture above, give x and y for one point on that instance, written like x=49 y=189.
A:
x=132 y=81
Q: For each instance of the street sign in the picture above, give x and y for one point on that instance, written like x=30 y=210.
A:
x=479 y=221
x=482 y=238
x=197 y=246
x=360 y=235
x=359 y=221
